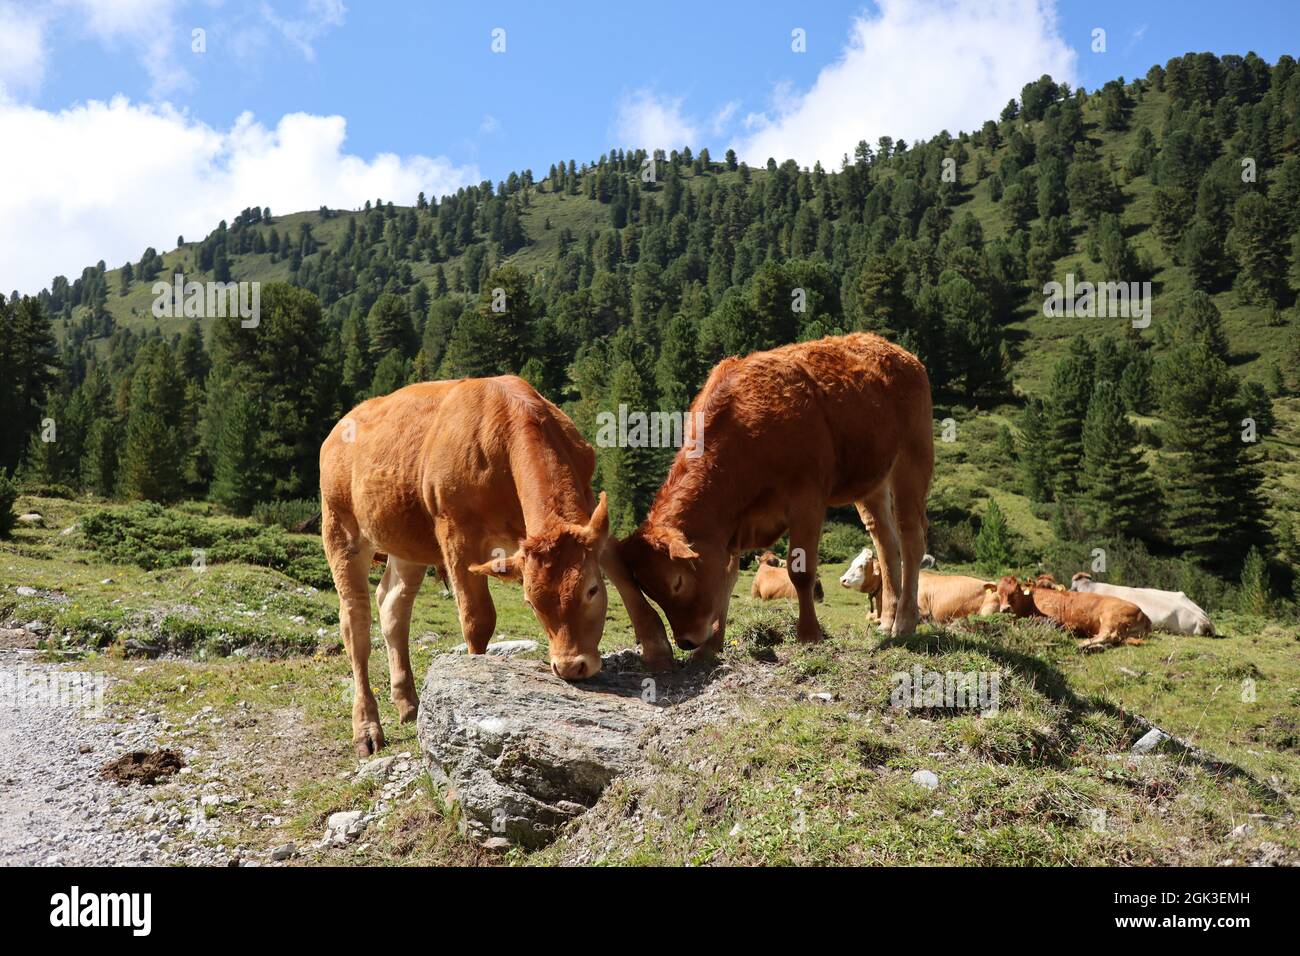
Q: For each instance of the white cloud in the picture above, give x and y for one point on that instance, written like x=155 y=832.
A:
x=916 y=68
x=105 y=180
x=146 y=27
x=318 y=17
x=22 y=48
x=645 y=120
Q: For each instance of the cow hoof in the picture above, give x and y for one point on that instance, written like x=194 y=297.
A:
x=367 y=740
x=406 y=710
x=659 y=659
x=811 y=637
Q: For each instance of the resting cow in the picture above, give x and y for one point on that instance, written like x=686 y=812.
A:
x=941 y=598
x=776 y=438
x=772 y=581
x=1171 y=611
x=1097 y=620
x=478 y=478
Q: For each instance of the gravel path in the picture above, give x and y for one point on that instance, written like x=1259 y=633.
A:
x=55 y=808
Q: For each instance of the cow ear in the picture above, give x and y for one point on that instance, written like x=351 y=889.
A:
x=502 y=567
x=1028 y=590
x=595 y=531
x=990 y=587
x=681 y=550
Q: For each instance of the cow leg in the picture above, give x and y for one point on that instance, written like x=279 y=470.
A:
x=805 y=533
x=909 y=513
x=478 y=615
x=395 y=597
x=712 y=647
x=656 y=652
x=877 y=513
x=349 y=557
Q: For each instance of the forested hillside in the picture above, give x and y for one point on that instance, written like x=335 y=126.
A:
x=626 y=277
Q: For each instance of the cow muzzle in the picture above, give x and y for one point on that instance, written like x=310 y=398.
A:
x=577 y=667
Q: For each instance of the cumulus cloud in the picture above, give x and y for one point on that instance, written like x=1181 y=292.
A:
x=915 y=68
x=22 y=48
x=106 y=180
x=646 y=120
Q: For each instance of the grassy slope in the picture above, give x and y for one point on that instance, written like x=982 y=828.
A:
x=806 y=782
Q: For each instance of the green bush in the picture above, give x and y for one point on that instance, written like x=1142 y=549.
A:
x=841 y=542
x=8 y=495
x=288 y=515
x=152 y=537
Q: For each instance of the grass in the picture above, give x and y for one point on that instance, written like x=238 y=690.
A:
x=789 y=778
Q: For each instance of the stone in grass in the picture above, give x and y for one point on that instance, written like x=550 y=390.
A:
x=345 y=826
x=522 y=751
x=1151 y=741
x=31 y=519
x=925 y=778
x=285 y=852
x=502 y=648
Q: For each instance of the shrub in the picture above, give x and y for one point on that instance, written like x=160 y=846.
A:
x=288 y=515
x=8 y=495
x=1255 y=596
x=152 y=537
x=841 y=542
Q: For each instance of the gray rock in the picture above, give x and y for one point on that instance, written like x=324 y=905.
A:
x=925 y=778
x=502 y=648
x=1151 y=741
x=24 y=591
x=345 y=826
x=525 y=752
x=285 y=852
x=31 y=518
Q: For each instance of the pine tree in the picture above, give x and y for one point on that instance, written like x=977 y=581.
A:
x=1117 y=494
x=389 y=327
x=1212 y=508
x=629 y=472
x=1064 y=411
x=1035 y=462
x=1258 y=241
x=240 y=477
x=993 y=548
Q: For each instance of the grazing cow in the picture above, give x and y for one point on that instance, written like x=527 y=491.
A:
x=772 y=581
x=777 y=437
x=1097 y=620
x=940 y=597
x=1171 y=611
x=478 y=478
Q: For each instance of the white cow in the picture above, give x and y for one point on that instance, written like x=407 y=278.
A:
x=857 y=572
x=1171 y=611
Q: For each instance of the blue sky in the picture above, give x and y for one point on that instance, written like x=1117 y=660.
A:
x=421 y=81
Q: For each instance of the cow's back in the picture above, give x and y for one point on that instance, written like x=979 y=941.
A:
x=1167 y=610
x=836 y=408
x=948 y=597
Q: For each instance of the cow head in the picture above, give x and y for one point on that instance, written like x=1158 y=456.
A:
x=1014 y=596
x=771 y=558
x=1081 y=582
x=560 y=571
x=1046 y=580
x=688 y=580
x=856 y=576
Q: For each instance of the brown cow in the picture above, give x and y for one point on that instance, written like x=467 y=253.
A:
x=451 y=474
x=777 y=437
x=1097 y=620
x=772 y=581
x=942 y=598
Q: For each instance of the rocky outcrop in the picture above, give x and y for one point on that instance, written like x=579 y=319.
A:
x=524 y=752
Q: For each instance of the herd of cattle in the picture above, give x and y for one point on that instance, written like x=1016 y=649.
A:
x=481 y=478
x=1098 y=614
